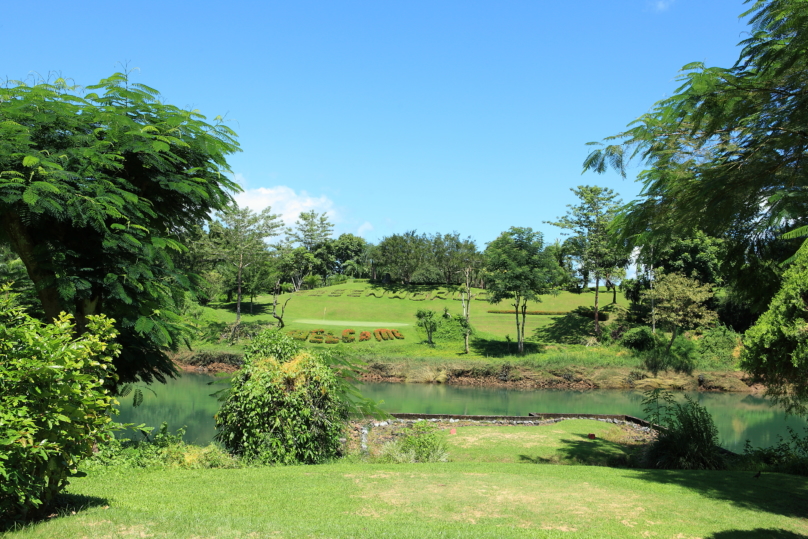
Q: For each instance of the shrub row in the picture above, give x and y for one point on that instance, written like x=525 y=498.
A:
x=528 y=312
x=320 y=336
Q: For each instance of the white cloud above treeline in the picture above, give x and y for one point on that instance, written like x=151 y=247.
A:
x=285 y=202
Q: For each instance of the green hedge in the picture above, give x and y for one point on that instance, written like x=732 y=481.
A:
x=529 y=312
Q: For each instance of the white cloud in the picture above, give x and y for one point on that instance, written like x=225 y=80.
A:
x=364 y=228
x=662 y=5
x=286 y=202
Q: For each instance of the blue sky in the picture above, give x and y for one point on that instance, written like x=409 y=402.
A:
x=438 y=116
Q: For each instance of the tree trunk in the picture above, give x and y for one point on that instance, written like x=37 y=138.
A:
x=516 y=311
x=238 y=296
x=522 y=333
x=44 y=280
x=614 y=293
x=597 y=292
x=673 y=338
x=466 y=340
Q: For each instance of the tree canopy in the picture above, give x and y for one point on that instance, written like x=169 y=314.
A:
x=727 y=152
x=94 y=189
x=518 y=268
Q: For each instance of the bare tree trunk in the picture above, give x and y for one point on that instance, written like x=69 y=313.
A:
x=516 y=311
x=597 y=292
x=275 y=305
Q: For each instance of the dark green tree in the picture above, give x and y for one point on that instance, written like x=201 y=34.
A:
x=402 y=255
x=94 y=189
x=348 y=247
x=776 y=348
x=727 y=153
x=517 y=268
x=589 y=221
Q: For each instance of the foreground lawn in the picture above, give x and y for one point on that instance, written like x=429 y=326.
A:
x=455 y=499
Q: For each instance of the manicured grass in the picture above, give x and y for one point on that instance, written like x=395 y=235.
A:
x=317 y=307
x=563 y=442
x=496 y=500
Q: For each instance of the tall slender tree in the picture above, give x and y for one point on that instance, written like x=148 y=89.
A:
x=589 y=221
x=239 y=238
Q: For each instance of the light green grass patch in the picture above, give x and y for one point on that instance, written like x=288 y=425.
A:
x=349 y=323
x=563 y=442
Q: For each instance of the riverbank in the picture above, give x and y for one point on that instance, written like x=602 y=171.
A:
x=507 y=373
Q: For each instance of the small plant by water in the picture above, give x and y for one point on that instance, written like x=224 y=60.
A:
x=687 y=438
x=420 y=442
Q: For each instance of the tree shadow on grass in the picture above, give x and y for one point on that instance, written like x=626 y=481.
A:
x=597 y=452
x=257 y=308
x=502 y=348
x=568 y=329
x=757 y=533
x=779 y=494
x=63 y=505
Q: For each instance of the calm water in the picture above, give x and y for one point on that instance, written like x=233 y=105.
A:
x=186 y=402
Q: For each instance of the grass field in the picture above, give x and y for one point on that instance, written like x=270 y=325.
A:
x=308 y=309
x=455 y=499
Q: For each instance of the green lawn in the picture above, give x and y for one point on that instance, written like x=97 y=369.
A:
x=308 y=309
x=497 y=500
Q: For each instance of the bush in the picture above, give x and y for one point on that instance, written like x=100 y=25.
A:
x=641 y=338
x=163 y=450
x=786 y=456
x=717 y=346
x=418 y=443
x=688 y=439
x=348 y=335
x=589 y=312
x=286 y=406
x=53 y=405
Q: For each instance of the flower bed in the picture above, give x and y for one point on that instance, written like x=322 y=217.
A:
x=321 y=336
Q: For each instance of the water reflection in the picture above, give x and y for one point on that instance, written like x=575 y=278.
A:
x=186 y=401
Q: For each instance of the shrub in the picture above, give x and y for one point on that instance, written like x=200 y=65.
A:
x=163 y=450
x=283 y=410
x=348 y=335
x=641 y=338
x=298 y=334
x=330 y=338
x=420 y=442
x=689 y=437
x=589 y=312
x=364 y=336
x=786 y=456
x=505 y=311
x=718 y=345
x=397 y=334
x=53 y=405
x=383 y=334
x=316 y=335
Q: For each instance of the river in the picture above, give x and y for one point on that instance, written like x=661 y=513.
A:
x=186 y=401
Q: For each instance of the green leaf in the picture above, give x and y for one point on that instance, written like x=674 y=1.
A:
x=160 y=146
x=30 y=161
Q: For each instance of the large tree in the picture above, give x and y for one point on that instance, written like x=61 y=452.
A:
x=589 y=221
x=402 y=255
x=727 y=153
x=94 y=188
x=517 y=268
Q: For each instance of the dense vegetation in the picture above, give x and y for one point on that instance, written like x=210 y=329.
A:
x=106 y=197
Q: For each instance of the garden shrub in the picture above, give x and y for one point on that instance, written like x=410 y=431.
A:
x=364 y=336
x=420 y=442
x=330 y=338
x=688 y=439
x=53 y=405
x=348 y=335
x=641 y=338
x=316 y=335
x=397 y=334
x=718 y=346
x=589 y=312
x=283 y=410
x=298 y=334
x=505 y=311
x=383 y=334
